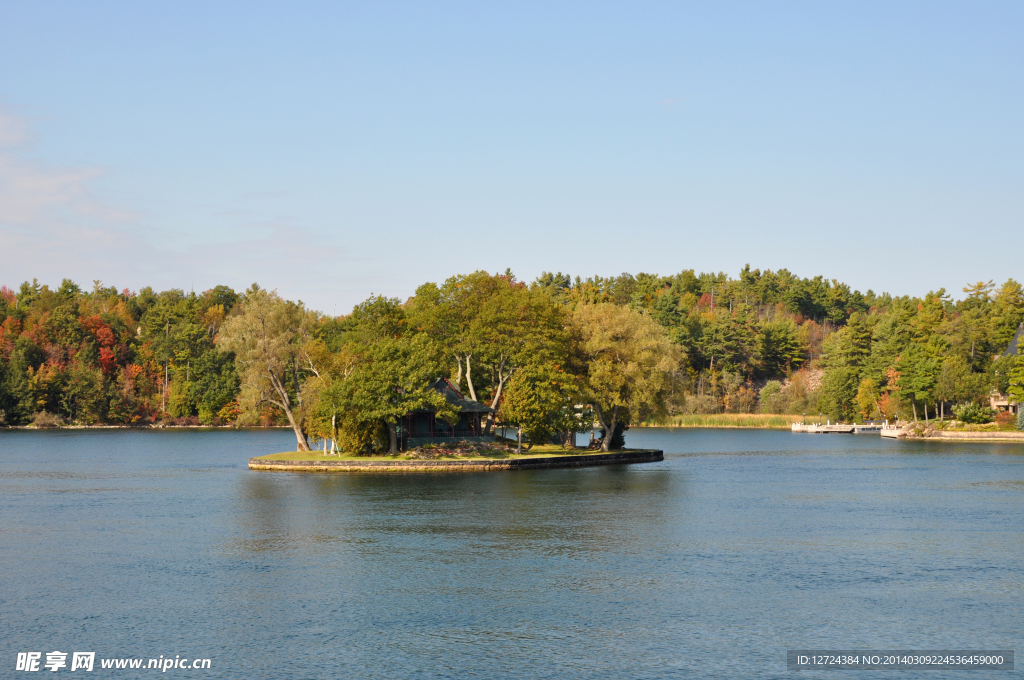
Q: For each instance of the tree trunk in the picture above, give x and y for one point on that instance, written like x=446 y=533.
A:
x=609 y=432
x=458 y=378
x=286 y=405
x=914 y=405
x=494 y=405
x=300 y=436
x=606 y=445
x=469 y=377
x=502 y=379
x=334 y=432
x=295 y=380
x=392 y=439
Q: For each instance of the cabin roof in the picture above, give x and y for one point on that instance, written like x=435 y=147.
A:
x=1013 y=349
x=454 y=397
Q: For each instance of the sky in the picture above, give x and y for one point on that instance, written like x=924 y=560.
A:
x=337 y=150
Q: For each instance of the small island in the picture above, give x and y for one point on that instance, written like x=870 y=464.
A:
x=446 y=431
x=537 y=458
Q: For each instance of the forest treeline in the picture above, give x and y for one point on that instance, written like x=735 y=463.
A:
x=629 y=348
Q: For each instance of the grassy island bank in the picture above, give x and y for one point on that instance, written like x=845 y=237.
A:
x=747 y=420
x=538 y=458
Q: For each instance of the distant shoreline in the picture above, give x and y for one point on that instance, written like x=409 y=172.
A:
x=748 y=421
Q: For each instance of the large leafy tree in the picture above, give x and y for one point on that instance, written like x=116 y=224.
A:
x=956 y=382
x=449 y=315
x=391 y=379
x=629 y=358
x=267 y=337
x=488 y=327
x=518 y=327
x=378 y=370
x=540 y=401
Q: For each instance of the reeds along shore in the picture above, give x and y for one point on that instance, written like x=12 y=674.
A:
x=752 y=420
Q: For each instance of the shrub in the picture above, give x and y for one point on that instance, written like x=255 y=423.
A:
x=206 y=416
x=1005 y=418
x=771 y=397
x=973 y=413
x=703 y=404
x=1020 y=417
x=44 y=419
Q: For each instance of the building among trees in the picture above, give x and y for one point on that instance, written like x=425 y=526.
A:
x=422 y=426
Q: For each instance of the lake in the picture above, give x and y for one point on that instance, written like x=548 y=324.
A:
x=740 y=545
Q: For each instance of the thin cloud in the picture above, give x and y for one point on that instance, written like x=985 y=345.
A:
x=14 y=131
x=53 y=224
x=35 y=195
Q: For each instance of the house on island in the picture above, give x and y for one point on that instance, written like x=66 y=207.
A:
x=1003 y=402
x=423 y=427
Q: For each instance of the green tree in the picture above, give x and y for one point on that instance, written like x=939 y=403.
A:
x=540 y=400
x=516 y=327
x=867 y=399
x=839 y=388
x=779 y=350
x=266 y=338
x=82 y=397
x=845 y=352
x=956 y=383
x=1017 y=380
x=1007 y=313
x=327 y=417
x=629 y=360
x=213 y=384
x=920 y=371
x=770 y=397
x=391 y=379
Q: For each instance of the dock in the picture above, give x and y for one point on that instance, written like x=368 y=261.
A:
x=818 y=428
x=893 y=432
x=838 y=428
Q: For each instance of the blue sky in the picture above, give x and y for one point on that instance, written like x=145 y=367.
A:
x=332 y=150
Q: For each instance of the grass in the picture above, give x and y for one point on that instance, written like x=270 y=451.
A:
x=536 y=451
x=754 y=420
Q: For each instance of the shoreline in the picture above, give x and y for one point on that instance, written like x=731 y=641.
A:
x=967 y=436
x=712 y=427
x=756 y=421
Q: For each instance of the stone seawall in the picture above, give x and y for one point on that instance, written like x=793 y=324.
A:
x=538 y=463
x=975 y=436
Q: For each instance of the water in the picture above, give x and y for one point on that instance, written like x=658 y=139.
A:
x=740 y=545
